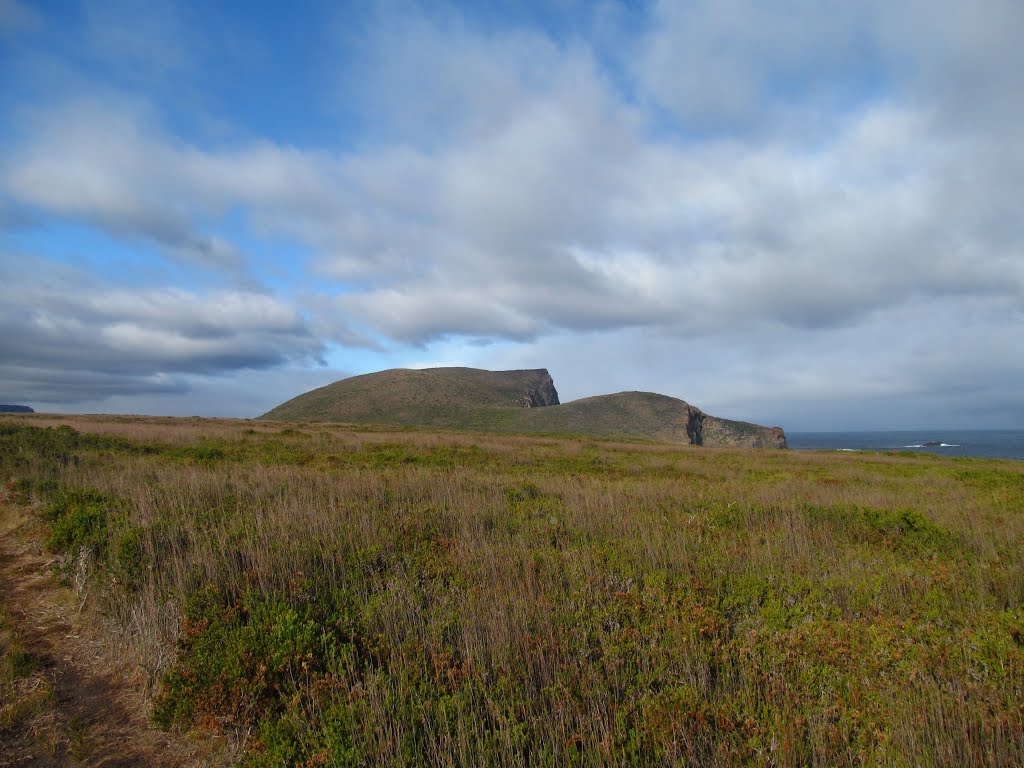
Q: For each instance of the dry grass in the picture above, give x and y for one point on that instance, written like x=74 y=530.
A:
x=412 y=597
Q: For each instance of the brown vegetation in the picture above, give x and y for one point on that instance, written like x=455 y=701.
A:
x=331 y=596
x=66 y=698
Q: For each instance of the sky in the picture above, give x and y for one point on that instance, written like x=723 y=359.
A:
x=804 y=213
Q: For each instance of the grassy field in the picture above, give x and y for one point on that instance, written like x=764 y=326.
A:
x=336 y=596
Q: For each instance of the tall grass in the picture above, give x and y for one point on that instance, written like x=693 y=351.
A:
x=345 y=597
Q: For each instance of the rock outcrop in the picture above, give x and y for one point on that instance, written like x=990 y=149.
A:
x=539 y=395
x=725 y=433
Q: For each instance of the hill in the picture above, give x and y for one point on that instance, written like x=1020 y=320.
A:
x=522 y=402
x=442 y=397
x=4 y=408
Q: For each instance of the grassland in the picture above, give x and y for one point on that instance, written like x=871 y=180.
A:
x=336 y=596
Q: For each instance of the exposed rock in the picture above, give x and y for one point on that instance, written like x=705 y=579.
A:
x=539 y=395
x=725 y=432
x=773 y=437
x=695 y=425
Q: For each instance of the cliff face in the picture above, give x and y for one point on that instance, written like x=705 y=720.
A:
x=774 y=437
x=539 y=395
x=695 y=425
x=741 y=434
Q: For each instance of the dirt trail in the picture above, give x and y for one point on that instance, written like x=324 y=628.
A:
x=89 y=713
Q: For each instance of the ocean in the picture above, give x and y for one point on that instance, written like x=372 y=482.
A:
x=987 y=443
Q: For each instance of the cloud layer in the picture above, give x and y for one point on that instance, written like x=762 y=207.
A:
x=698 y=174
x=68 y=339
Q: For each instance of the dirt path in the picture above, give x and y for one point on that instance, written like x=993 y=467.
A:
x=65 y=701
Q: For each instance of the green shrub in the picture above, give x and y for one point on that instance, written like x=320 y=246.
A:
x=202 y=453
x=86 y=519
x=78 y=519
x=909 y=530
x=242 y=658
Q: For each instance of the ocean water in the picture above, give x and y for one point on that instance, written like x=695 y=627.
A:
x=991 y=444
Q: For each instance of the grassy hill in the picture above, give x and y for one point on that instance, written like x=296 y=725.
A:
x=320 y=594
x=521 y=402
x=440 y=397
x=624 y=414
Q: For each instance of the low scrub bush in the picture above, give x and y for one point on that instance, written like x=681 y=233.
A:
x=343 y=597
x=85 y=521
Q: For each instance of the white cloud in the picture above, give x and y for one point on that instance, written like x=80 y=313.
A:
x=65 y=333
x=244 y=394
x=929 y=362
x=802 y=179
x=563 y=212
x=743 y=65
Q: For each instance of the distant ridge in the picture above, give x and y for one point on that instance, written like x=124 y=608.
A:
x=523 y=402
x=15 y=409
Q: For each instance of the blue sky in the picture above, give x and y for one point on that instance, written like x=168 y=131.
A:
x=803 y=214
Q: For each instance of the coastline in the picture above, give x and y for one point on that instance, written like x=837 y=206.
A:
x=987 y=444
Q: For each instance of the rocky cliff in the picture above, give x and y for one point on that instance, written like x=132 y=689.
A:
x=724 y=432
x=539 y=394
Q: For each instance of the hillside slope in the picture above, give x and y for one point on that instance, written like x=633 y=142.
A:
x=523 y=402
x=624 y=414
x=648 y=416
x=428 y=397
